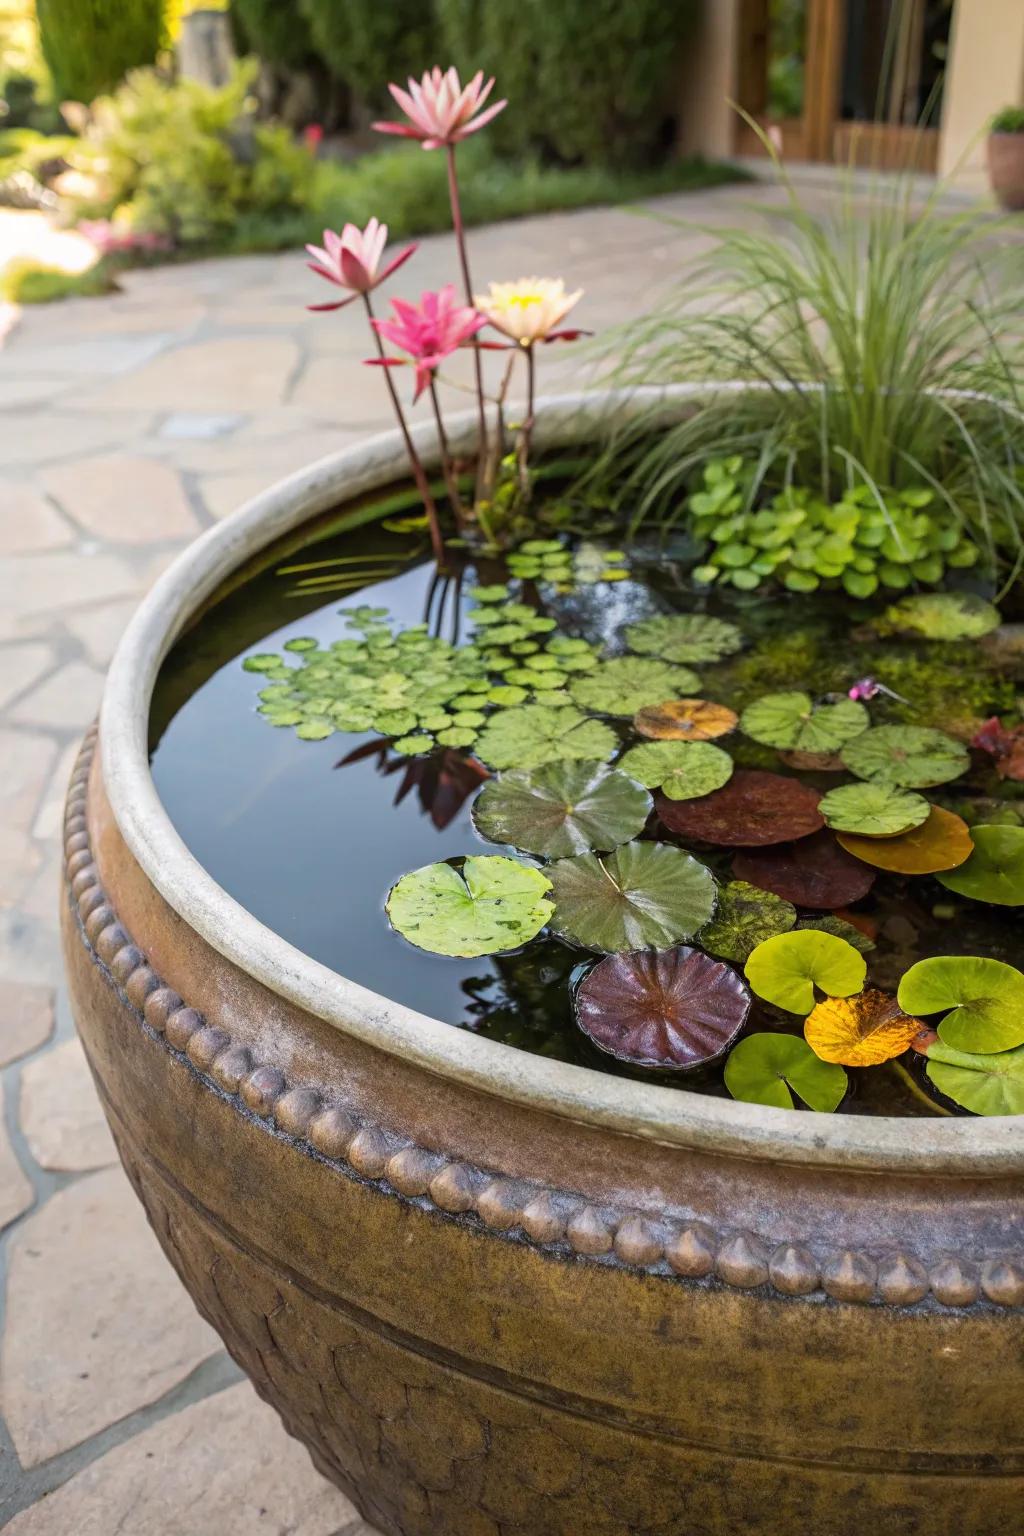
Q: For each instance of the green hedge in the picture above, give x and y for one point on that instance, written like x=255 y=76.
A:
x=276 y=30
x=588 y=81
x=90 y=45
x=366 y=43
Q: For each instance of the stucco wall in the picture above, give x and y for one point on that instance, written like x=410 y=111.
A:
x=986 y=72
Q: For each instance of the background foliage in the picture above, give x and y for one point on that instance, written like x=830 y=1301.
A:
x=89 y=45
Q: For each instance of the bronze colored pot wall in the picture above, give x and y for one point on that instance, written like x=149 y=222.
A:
x=1006 y=169
x=484 y=1319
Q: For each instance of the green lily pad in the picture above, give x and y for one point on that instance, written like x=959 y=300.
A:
x=763 y=1068
x=744 y=918
x=628 y=683
x=562 y=809
x=786 y=969
x=684 y=637
x=909 y=756
x=793 y=722
x=682 y=770
x=533 y=735
x=642 y=896
x=943 y=616
x=985 y=998
x=873 y=810
x=987 y=1085
x=493 y=904
x=994 y=871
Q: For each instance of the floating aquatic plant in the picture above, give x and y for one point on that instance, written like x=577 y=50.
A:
x=755 y=808
x=672 y=1009
x=628 y=683
x=943 y=841
x=873 y=809
x=562 y=809
x=814 y=872
x=763 y=1068
x=909 y=756
x=644 y=895
x=860 y=1031
x=682 y=770
x=685 y=720
x=786 y=969
x=685 y=637
x=984 y=999
x=942 y=616
x=744 y=918
x=994 y=871
x=491 y=905
x=533 y=735
x=984 y=1084
x=794 y=722
x=828 y=922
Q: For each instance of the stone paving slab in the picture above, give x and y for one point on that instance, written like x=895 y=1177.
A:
x=60 y=1115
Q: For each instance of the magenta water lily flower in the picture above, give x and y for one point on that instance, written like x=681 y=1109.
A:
x=429 y=332
x=440 y=109
x=352 y=260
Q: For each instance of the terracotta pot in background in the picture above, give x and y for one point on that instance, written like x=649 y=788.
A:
x=1006 y=169
x=498 y=1294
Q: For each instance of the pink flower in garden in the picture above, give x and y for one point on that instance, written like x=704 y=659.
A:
x=429 y=332
x=351 y=260
x=441 y=111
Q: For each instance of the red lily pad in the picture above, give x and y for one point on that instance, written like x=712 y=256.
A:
x=669 y=1009
x=814 y=873
x=754 y=809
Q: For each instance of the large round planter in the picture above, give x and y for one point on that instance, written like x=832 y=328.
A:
x=495 y=1294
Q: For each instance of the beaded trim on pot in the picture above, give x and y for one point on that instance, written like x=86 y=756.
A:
x=550 y=1219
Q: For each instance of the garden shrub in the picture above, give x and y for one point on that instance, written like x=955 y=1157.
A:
x=279 y=33
x=90 y=45
x=592 y=79
x=187 y=161
x=367 y=43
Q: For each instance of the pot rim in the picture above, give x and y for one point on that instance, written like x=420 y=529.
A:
x=670 y=1116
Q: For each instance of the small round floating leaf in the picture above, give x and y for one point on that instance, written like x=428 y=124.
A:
x=985 y=998
x=986 y=1085
x=860 y=1031
x=943 y=616
x=300 y=643
x=755 y=808
x=794 y=722
x=994 y=872
x=493 y=904
x=813 y=873
x=910 y=756
x=314 y=730
x=644 y=895
x=535 y=734
x=415 y=745
x=685 y=637
x=562 y=810
x=941 y=842
x=267 y=661
x=873 y=810
x=684 y=770
x=763 y=1068
x=744 y=918
x=841 y=929
x=785 y=970
x=629 y=683
x=672 y=1009
x=685 y=720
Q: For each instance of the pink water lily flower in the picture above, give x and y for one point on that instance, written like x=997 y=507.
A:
x=441 y=111
x=429 y=332
x=352 y=260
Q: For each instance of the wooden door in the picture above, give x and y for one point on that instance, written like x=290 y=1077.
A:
x=807 y=133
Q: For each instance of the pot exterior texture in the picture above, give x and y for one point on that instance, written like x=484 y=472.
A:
x=483 y=1320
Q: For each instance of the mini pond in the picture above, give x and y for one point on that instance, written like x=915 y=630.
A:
x=710 y=836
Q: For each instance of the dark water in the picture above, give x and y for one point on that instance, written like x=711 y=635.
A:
x=311 y=846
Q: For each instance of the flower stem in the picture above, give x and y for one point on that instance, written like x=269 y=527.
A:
x=527 y=428
x=415 y=463
x=467 y=283
x=919 y=1093
x=447 y=466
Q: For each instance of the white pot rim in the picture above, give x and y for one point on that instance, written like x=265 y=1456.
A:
x=668 y=1115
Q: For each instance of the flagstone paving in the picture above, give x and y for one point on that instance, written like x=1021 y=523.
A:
x=127 y=425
